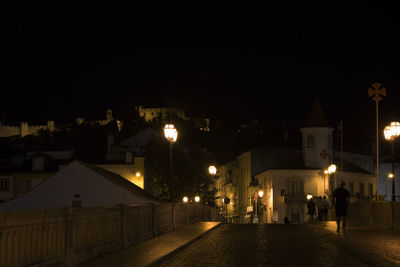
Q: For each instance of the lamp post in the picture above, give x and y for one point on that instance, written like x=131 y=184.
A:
x=259 y=194
x=391 y=132
x=332 y=169
x=171 y=134
x=325 y=174
x=185 y=200
x=390 y=176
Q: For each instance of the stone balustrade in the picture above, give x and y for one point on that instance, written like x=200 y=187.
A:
x=69 y=236
x=382 y=214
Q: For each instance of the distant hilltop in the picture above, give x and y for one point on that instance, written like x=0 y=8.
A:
x=25 y=129
x=147 y=113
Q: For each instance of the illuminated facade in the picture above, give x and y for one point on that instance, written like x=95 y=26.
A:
x=287 y=176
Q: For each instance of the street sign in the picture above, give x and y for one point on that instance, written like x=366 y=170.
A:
x=377 y=90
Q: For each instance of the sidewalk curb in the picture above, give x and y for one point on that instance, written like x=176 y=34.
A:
x=168 y=256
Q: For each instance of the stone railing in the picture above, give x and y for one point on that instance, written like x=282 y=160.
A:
x=382 y=214
x=69 y=236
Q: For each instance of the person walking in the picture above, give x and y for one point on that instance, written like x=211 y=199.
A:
x=311 y=209
x=320 y=208
x=325 y=205
x=341 y=199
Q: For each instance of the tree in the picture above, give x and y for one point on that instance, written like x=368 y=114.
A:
x=190 y=170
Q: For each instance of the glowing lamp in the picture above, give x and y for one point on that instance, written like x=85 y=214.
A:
x=170 y=133
x=390 y=175
x=212 y=170
x=392 y=131
x=309 y=197
x=185 y=199
x=332 y=169
x=197 y=198
x=260 y=193
x=137 y=174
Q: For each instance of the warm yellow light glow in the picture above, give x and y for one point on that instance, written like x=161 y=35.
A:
x=223 y=200
x=137 y=174
x=392 y=131
x=170 y=133
x=260 y=193
x=326 y=172
x=197 y=198
x=212 y=170
x=390 y=175
x=309 y=197
x=332 y=169
x=185 y=199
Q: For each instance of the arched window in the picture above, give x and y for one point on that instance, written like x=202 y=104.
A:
x=310 y=141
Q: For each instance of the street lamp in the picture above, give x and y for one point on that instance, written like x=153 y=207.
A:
x=332 y=169
x=197 y=199
x=171 y=134
x=212 y=170
x=390 y=176
x=391 y=132
x=260 y=194
x=185 y=200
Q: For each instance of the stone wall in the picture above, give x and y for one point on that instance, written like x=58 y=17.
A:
x=69 y=236
x=382 y=214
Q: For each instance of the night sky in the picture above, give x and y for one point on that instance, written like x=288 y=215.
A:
x=228 y=63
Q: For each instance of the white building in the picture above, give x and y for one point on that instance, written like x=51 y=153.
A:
x=82 y=185
x=286 y=177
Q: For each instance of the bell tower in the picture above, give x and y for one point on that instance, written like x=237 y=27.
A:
x=317 y=139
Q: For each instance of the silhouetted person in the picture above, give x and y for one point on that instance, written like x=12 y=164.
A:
x=320 y=208
x=286 y=220
x=325 y=205
x=341 y=199
x=311 y=209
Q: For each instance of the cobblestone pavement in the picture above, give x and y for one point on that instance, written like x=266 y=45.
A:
x=375 y=240
x=274 y=245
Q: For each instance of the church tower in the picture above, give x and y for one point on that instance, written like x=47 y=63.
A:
x=317 y=139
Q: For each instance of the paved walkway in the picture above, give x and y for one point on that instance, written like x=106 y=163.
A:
x=377 y=241
x=281 y=245
x=152 y=252
x=262 y=245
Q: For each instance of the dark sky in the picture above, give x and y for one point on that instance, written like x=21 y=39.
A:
x=268 y=62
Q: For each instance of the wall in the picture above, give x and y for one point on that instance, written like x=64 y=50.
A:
x=69 y=236
x=381 y=214
x=24 y=129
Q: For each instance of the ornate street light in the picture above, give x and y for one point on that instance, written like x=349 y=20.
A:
x=331 y=170
x=212 y=170
x=391 y=132
x=171 y=134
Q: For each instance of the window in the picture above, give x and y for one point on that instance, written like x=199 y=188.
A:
x=4 y=184
x=351 y=188
x=295 y=187
x=310 y=141
x=25 y=186
x=361 y=189
x=370 y=189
